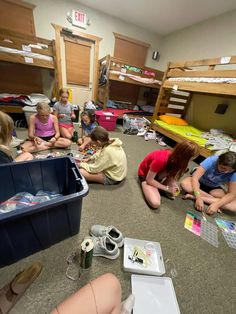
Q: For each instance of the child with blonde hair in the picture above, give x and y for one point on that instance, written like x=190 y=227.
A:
x=44 y=131
x=109 y=165
x=6 y=128
x=64 y=111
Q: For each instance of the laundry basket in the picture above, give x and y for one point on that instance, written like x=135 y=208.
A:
x=34 y=228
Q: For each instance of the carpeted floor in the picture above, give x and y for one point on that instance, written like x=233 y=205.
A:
x=205 y=281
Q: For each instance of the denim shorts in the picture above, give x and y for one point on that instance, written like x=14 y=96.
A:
x=207 y=188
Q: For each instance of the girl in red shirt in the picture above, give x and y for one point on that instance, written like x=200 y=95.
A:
x=161 y=169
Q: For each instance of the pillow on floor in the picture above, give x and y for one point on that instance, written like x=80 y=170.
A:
x=173 y=120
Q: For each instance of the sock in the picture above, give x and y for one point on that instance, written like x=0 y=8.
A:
x=127 y=305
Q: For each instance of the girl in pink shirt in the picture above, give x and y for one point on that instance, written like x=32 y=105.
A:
x=161 y=169
x=44 y=131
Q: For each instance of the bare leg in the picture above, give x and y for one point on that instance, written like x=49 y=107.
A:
x=62 y=143
x=30 y=146
x=66 y=133
x=151 y=195
x=71 y=130
x=207 y=198
x=24 y=157
x=92 y=177
x=102 y=296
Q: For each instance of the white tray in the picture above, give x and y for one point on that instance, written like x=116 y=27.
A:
x=156 y=266
x=154 y=295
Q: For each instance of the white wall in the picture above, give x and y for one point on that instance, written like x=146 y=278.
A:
x=55 y=11
x=205 y=118
x=212 y=38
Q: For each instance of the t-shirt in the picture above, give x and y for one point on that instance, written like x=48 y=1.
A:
x=156 y=161
x=44 y=129
x=87 y=128
x=4 y=158
x=64 y=109
x=212 y=177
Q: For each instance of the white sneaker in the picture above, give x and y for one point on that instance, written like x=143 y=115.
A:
x=150 y=136
x=161 y=142
x=112 y=232
x=142 y=132
x=105 y=247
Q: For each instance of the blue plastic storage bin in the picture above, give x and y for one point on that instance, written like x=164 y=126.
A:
x=34 y=228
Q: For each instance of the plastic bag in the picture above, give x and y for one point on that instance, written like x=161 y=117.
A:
x=132 y=125
x=18 y=201
x=44 y=196
x=25 y=199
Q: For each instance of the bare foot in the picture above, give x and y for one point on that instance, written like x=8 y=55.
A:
x=188 y=197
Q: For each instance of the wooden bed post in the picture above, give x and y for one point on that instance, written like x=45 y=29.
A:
x=107 y=87
x=58 y=70
x=160 y=96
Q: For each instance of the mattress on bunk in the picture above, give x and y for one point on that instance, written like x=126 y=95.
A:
x=187 y=131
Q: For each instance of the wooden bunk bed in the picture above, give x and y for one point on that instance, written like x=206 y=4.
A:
x=23 y=60
x=182 y=79
x=121 y=82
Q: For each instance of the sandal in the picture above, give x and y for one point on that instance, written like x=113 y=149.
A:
x=14 y=290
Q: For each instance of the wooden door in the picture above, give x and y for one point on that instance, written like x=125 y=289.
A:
x=78 y=68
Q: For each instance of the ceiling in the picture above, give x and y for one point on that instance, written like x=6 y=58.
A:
x=162 y=16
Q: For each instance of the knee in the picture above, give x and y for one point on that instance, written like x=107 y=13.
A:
x=67 y=143
x=112 y=283
x=155 y=204
x=185 y=184
x=28 y=156
x=68 y=136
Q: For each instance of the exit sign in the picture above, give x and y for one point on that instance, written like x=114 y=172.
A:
x=79 y=19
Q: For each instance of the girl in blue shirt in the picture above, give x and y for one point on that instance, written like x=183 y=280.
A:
x=88 y=123
x=205 y=185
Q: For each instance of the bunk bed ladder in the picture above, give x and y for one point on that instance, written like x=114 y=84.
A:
x=171 y=102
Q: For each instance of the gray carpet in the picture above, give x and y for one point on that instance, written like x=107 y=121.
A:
x=206 y=278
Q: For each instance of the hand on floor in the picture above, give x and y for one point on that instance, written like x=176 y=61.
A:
x=212 y=209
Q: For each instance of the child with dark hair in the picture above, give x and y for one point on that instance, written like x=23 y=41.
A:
x=205 y=185
x=109 y=165
x=88 y=123
x=161 y=169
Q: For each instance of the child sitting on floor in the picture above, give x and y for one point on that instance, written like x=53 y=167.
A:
x=6 y=128
x=109 y=165
x=161 y=169
x=64 y=111
x=205 y=185
x=44 y=131
x=88 y=123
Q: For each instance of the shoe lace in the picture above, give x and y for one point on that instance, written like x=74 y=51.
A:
x=101 y=241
